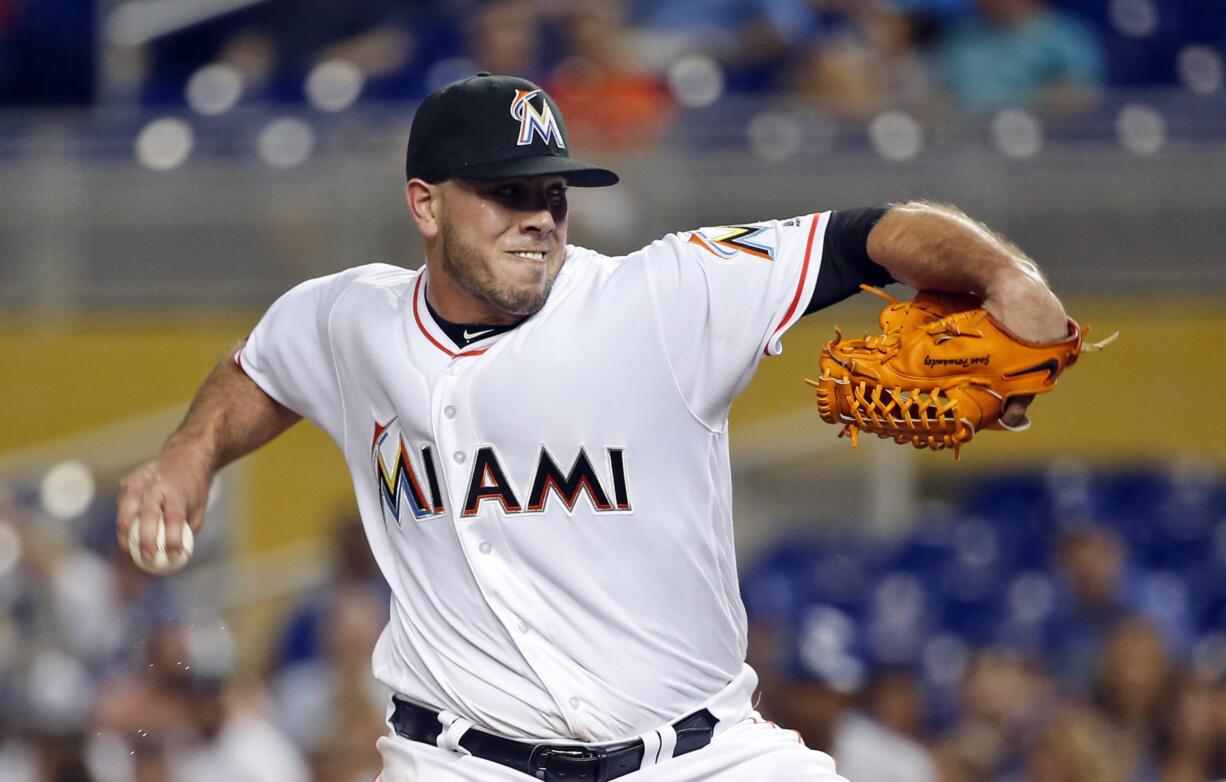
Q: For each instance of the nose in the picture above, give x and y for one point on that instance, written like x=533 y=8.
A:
x=539 y=221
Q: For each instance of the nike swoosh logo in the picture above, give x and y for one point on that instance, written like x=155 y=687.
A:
x=1050 y=366
x=475 y=334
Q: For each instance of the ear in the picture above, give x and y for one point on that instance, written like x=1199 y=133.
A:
x=423 y=200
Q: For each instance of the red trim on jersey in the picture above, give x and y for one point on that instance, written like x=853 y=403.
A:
x=429 y=336
x=800 y=286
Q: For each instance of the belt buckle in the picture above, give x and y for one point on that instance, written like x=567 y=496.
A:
x=567 y=755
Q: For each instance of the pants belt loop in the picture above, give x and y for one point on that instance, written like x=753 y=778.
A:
x=651 y=748
x=454 y=728
x=668 y=742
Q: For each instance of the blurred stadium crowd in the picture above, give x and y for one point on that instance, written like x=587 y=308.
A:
x=1058 y=627
x=614 y=65
x=108 y=674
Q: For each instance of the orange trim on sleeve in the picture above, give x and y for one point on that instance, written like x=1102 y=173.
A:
x=800 y=286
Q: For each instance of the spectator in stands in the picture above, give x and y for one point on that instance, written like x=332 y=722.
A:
x=739 y=35
x=285 y=39
x=232 y=740
x=1076 y=745
x=1192 y=734
x=608 y=99
x=858 y=60
x=880 y=740
x=822 y=671
x=1134 y=688
x=352 y=567
x=330 y=705
x=1099 y=591
x=506 y=36
x=1019 y=53
x=147 y=700
x=1002 y=702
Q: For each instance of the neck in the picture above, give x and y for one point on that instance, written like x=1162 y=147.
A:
x=456 y=304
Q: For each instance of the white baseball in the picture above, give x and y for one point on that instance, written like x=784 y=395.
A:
x=161 y=564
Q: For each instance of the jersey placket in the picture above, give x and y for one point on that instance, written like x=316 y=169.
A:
x=512 y=599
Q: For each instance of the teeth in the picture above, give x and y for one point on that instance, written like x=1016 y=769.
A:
x=530 y=256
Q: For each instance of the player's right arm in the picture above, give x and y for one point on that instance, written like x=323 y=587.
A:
x=284 y=371
x=230 y=417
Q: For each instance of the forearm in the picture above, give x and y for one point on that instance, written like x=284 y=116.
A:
x=937 y=247
x=229 y=418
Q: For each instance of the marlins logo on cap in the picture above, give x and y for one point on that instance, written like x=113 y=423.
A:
x=461 y=131
x=533 y=121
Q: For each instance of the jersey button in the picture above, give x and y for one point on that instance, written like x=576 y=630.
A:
x=523 y=626
x=449 y=411
x=574 y=703
x=485 y=548
x=459 y=457
x=454 y=369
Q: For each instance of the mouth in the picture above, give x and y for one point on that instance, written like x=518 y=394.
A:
x=534 y=256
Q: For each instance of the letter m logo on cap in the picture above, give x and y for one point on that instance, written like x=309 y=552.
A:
x=533 y=121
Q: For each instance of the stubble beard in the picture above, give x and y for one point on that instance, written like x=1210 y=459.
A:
x=465 y=265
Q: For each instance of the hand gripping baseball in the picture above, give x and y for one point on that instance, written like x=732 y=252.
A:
x=942 y=369
x=173 y=489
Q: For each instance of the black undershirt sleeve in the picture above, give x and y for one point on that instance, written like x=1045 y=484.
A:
x=845 y=261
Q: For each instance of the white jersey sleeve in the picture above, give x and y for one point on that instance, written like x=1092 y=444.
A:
x=724 y=297
x=290 y=354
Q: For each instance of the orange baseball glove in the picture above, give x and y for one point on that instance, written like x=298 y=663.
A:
x=942 y=369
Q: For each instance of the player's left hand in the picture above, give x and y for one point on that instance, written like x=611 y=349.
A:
x=1029 y=309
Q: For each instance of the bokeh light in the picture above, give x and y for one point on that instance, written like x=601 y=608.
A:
x=164 y=144
x=67 y=490
x=334 y=85
x=214 y=89
x=286 y=142
x=896 y=135
x=1141 y=129
x=697 y=81
x=1017 y=133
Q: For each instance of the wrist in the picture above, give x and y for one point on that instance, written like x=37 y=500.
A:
x=193 y=448
x=1023 y=303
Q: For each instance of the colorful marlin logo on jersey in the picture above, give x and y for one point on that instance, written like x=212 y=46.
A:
x=533 y=121
x=399 y=483
x=725 y=241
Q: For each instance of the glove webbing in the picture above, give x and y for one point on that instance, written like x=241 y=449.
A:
x=931 y=419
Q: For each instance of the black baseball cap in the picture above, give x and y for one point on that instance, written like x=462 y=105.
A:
x=490 y=127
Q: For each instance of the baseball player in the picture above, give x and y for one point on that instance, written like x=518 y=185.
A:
x=537 y=436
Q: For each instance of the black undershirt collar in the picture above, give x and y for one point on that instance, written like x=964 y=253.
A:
x=464 y=334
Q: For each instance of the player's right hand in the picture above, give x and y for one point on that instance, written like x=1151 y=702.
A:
x=173 y=487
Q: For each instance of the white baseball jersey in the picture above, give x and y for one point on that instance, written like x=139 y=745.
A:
x=552 y=505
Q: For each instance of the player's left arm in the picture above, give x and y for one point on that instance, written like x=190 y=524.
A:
x=938 y=247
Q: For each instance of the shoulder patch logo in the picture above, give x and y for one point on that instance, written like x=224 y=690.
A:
x=726 y=241
x=532 y=121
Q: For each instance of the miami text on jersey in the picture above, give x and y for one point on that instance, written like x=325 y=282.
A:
x=489 y=482
x=416 y=486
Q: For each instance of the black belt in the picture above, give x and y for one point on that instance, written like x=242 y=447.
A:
x=552 y=762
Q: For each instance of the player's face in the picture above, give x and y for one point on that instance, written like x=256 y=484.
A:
x=504 y=240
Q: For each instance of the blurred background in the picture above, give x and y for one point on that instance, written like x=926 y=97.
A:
x=1051 y=608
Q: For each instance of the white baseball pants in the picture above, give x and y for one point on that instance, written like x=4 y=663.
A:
x=751 y=749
